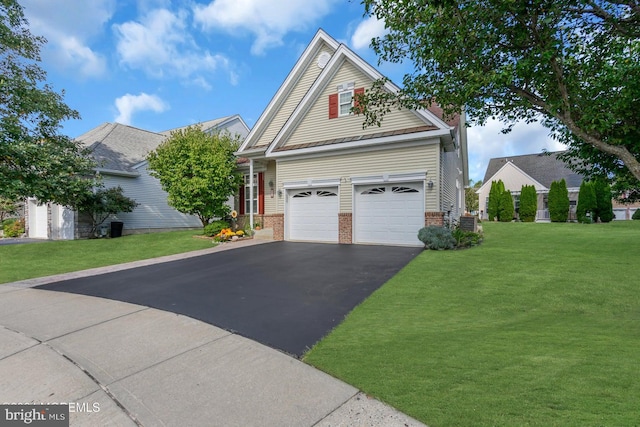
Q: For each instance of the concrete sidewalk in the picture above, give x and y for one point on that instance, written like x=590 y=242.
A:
x=124 y=364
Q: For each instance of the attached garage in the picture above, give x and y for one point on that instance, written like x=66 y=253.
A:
x=313 y=214
x=389 y=213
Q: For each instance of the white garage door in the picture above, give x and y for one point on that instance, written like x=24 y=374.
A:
x=313 y=214
x=389 y=213
x=38 y=220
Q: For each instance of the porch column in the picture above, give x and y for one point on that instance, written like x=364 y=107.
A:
x=251 y=193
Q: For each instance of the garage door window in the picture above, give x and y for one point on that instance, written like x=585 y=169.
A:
x=302 y=194
x=404 y=190
x=322 y=193
x=376 y=190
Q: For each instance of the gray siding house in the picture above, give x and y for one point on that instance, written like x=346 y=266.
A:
x=121 y=152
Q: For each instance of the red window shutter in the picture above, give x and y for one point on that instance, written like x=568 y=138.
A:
x=241 y=207
x=356 y=92
x=261 y=193
x=333 y=106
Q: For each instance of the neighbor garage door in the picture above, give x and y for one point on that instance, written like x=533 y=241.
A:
x=38 y=220
x=389 y=213
x=313 y=214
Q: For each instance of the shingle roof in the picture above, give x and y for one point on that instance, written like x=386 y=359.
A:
x=119 y=147
x=543 y=167
x=203 y=125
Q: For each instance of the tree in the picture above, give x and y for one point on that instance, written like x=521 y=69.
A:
x=506 y=207
x=573 y=65
x=35 y=159
x=102 y=203
x=586 y=202
x=528 y=203
x=198 y=171
x=495 y=197
x=604 y=206
x=558 y=200
x=471 y=197
x=8 y=208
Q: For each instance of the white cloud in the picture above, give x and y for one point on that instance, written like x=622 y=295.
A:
x=129 y=104
x=160 y=45
x=368 y=29
x=267 y=20
x=69 y=26
x=486 y=142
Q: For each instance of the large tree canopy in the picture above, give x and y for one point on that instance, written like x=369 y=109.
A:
x=35 y=159
x=574 y=65
x=198 y=170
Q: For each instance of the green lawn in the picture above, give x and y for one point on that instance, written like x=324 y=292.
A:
x=538 y=326
x=25 y=261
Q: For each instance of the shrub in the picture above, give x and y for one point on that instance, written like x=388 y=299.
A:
x=495 y=194
x=528 y=203
x=435 y=237
x=465 y=239
x=215 y=227
x=506 y=207
x=13 y=227
x=586 y=202
x=559 y=201
x=604 y=206
x=636 y=214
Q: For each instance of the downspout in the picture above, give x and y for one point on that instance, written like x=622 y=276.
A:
x=251 y=193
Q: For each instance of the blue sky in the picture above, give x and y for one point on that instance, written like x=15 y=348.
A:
x=157 y=64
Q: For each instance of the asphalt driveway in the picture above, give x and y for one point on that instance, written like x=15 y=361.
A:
x=283 y=294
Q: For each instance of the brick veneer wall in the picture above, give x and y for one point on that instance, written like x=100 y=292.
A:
x=275 y=221
x=434 y=218
x=345 y=221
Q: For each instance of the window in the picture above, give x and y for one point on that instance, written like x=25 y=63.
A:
x=340 y=103
x=302 y=194
x=323 y=193
x=247 y=193
x=516 y=199
x=345 y=102
x=404 y=190
x=377 y=190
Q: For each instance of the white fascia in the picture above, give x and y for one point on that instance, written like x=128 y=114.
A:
x=287 y=85
x=390 y=178
x=312 y=183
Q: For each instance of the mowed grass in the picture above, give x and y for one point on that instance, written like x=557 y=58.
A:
x=26 y=261
x=539 y=326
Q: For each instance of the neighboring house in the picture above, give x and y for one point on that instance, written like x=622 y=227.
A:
x=539 y=170
x=312 y=173
x=121 y=152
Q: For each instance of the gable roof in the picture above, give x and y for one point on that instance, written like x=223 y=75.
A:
x=209 y=124
x=328 y=70
x=543 y=167
x=319 y=39
x=119 y=147
x=342 y=54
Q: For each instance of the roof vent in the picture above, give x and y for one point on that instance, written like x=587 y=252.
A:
x=323 y=59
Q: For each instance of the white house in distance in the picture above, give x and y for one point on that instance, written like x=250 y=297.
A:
x=312 y=173
x=539 y=170
x=121 y=152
